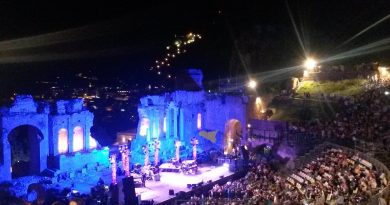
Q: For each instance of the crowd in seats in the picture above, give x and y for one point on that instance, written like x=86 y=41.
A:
x=335 y=177
x=365 y=116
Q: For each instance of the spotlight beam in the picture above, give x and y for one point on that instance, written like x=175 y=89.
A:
x=296 y=29
x=364 y=30
x=44 y=57
x=58 y=37
x=376 y=46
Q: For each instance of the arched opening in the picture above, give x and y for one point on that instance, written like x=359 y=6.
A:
x=62 y=141
x=25 y=150
x=232 y=136
x=78 y=139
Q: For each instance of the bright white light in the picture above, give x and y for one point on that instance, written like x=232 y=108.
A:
x=225 y=164
x=387 y=92
x=249 y=125
x=252 y=84
x=199 y=121
x=310 y=63
x=165 y=124
x=258 y=100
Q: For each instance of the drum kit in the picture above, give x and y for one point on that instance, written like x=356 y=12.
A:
x=189 y=167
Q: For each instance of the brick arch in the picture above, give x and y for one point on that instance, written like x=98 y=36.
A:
x=12 y=121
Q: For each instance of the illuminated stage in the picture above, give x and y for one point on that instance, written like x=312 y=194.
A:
x=159 y=190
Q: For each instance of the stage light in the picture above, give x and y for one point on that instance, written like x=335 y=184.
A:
x=165 y=123
x=252 y=84
x=249 y=125
x=310 y=63
x=199 y=121
x=387 y=92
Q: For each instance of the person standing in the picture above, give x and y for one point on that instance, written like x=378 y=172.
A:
x=143 y=179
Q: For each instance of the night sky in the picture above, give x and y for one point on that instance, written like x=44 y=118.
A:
x=119 y=39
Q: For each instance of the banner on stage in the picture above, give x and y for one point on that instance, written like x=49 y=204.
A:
x=209 y=135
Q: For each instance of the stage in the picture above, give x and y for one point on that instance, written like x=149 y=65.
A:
x=159 y=190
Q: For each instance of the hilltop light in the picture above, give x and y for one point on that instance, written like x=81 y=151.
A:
x=310 y=63
x=252 y=84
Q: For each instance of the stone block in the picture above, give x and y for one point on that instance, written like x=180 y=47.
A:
x=72 y=174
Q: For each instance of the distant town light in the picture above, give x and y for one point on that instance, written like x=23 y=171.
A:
x=310 y=63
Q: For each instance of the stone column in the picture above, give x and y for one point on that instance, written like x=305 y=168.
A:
x=149 y=129
x=70 y=136
x=181 y=124
x=175 y=123
x=156 y=127
x=5 y=167
x=168 y=123
x=87 y=131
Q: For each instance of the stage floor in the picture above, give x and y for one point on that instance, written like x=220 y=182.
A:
x=159 y=190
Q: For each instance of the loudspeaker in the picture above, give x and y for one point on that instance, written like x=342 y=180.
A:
x=114 y=189
x=129 y=191
x=244 y=153
x=171 y=192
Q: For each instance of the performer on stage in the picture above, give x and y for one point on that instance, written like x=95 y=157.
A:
x=177 y=145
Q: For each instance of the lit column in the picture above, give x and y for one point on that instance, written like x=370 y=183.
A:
x=177 y=145
x=194 y=142
x=113 y=168
x=146 y=152
x=156 y=151
x=125 y=159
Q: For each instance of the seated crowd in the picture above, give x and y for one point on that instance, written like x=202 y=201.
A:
x=365 y=116
x=336 y=177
